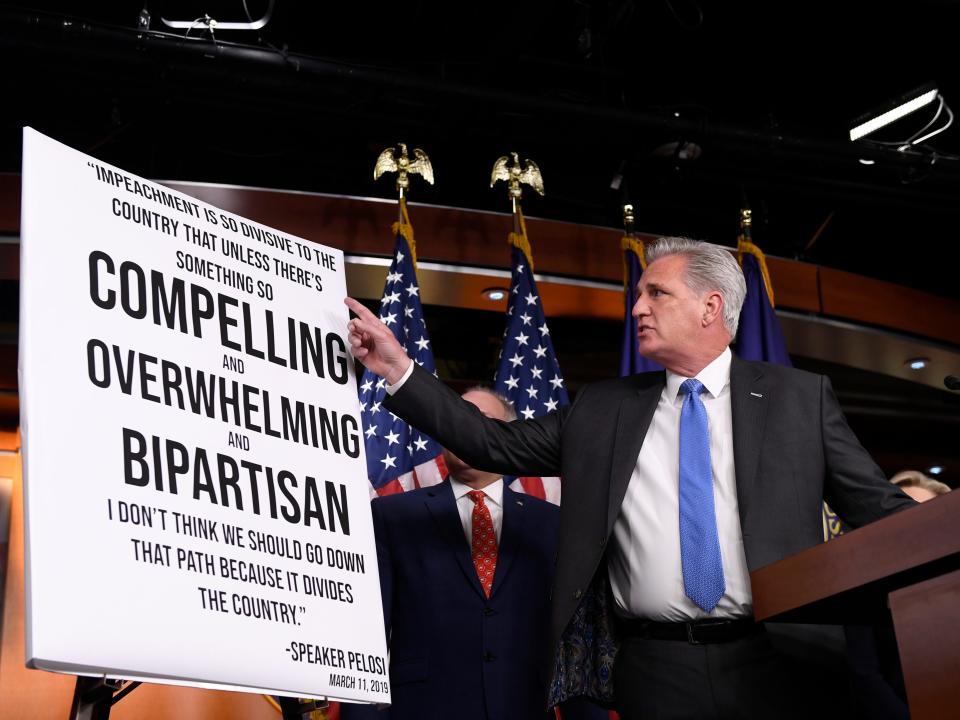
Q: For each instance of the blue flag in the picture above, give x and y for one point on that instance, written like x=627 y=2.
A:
x=631 y=361
x=759 y=336
x=528 y=373
x=399 y=457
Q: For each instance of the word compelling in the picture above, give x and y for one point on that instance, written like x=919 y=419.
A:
x=191 y=309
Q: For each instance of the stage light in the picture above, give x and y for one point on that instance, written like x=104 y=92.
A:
x=893 y=111
x=211 y=23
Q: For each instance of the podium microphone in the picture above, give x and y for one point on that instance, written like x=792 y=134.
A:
x=952 y=382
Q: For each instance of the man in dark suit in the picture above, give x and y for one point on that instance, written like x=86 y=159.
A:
x=677 y=484
x=465 y=572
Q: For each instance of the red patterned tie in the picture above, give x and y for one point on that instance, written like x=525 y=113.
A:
x=483 y=545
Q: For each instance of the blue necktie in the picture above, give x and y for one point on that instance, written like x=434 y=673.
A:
x=699 y=545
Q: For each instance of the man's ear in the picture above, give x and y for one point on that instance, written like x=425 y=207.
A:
x=712 y=308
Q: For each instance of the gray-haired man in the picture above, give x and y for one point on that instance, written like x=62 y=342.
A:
x=676 y=485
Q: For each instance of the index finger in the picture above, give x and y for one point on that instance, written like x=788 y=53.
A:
x=360 y=309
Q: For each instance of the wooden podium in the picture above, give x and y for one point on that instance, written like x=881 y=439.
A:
x=909 y=563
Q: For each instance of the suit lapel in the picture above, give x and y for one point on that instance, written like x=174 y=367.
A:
x=513 y=522
x=748 y=406
x=443 y=507
x=636 y=412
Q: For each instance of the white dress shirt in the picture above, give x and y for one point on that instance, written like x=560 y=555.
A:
x=644 y=560
x=392 y=389
x=493 y=501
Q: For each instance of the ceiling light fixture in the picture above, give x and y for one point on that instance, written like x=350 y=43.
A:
x=901 y=107
x=679 y=150
x=212 y=23
x=935 y=469
x=917 y=363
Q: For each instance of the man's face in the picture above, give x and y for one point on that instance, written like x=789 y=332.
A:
x=669 y=314
x=489 y=406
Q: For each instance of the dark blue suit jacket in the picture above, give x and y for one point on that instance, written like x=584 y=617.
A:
x=453 y=652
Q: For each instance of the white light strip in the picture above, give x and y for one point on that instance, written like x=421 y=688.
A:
x=891 y=115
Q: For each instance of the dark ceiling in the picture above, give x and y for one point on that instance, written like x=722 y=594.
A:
x=593 y=91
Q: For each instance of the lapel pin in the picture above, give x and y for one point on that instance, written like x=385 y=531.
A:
x=519 y=502
x=757 y=394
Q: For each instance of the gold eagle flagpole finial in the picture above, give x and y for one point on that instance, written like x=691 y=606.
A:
x=390 y=162
x=515 y=174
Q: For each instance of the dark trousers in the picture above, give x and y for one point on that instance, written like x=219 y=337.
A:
x=741 y=679
x=875 y=672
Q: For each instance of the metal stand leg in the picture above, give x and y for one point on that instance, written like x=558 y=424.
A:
x=94 y=696
x=298 y=709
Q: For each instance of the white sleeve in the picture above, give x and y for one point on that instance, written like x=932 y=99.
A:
x=391 y=389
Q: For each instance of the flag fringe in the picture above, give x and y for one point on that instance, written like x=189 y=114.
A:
x=520 y=240
x=405 y=229
x=638 y=249
x=746 y=246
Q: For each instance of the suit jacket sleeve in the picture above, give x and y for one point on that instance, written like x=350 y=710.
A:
x=856 y=487
x=526 y=447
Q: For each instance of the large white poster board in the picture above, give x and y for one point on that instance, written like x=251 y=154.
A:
x=197 y=506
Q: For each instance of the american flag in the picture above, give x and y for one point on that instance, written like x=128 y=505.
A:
x=527 y=372
x=399 y=457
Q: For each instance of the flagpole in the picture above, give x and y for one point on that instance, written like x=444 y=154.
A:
x=746 y=223
x=528 y=374
x=400 y=458
x=628 y=220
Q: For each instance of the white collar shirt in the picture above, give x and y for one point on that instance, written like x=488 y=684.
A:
x=493 y=501
x=644 y=558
